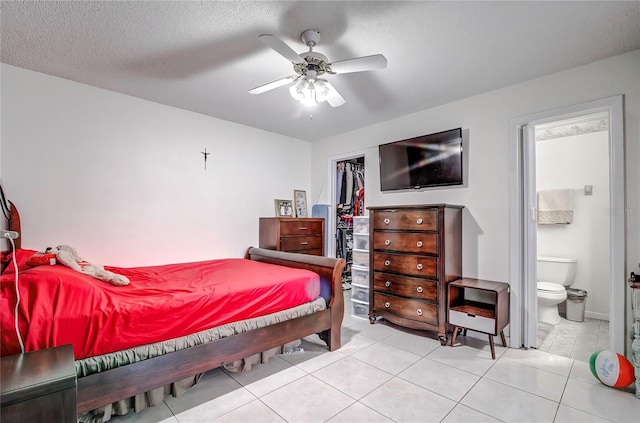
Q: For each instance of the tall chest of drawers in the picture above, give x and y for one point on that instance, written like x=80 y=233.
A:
x=415 y=251
x=295 y=235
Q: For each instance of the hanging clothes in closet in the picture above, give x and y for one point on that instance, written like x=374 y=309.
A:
x=350 y=188
x=350 y=202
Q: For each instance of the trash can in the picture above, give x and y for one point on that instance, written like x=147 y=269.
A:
x=576 y=302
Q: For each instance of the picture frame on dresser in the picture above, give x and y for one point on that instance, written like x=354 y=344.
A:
x=300 y=202
x=284 y=208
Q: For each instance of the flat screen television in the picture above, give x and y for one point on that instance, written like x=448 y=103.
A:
x=421 y=162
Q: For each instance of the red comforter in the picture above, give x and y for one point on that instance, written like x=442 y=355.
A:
x=60 y=306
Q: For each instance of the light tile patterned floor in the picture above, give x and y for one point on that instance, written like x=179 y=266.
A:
x=574 y=339
x=384 y=374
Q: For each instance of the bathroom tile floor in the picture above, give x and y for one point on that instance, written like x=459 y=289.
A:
x=576 y=340
x=385 y=374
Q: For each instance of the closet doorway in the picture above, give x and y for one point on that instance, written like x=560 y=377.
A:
x=348 y=201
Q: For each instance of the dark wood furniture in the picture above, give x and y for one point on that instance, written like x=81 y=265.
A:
x=39 y=386
x=415 y=251
x=303 y=235
x=479 y=305
x=106 y=387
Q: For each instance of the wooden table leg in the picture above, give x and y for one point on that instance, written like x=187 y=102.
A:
x=453 y=338
x=504 y=341
x=493 y=350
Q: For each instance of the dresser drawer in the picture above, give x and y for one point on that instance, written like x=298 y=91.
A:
x=407 y=264
x=300 y=227
x=406 y=308
x=295 y=243
x=472 y=321
x=411 y=220
x=421 y=289
x=410 y=242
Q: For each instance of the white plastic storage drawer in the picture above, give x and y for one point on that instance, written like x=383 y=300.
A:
x=359 y=276
x=360 y=310
x=360 y=293
x=473 y=322
x=361 y=258
x=361 y=241
x=360 y=224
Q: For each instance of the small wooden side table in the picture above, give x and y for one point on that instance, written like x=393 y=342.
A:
x=488 y=312
x=635 y=345
x=39 y=386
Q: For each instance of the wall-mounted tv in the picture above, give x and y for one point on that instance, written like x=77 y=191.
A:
x=421 y=162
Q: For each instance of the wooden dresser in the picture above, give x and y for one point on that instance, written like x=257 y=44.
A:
x=415 y=251
x=295 y=235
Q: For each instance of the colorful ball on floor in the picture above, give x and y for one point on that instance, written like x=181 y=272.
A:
x=611 y=368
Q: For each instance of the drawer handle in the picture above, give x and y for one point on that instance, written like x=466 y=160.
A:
x=419 y=312
x=304 y=243
x=419 y=221
x=387 y=304
x=387 y=242
x=419 y=266
x=303 y=228
x=419 y=289
x=387 y=262
x=387 y=284
x=387 y=221
x=419 y=244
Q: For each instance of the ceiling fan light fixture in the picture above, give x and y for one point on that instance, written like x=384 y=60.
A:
x=307 y=88
x=322 y=90
x=309 y=92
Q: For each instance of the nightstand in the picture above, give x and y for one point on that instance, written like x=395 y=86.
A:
x=39 y=386
x=481 y=306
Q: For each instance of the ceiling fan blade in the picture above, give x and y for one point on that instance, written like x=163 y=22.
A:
x=280 y=47
x=272 y=85
x=359 y=64
x=333 y=96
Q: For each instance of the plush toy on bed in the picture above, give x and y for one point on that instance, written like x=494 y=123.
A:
x=68 y=256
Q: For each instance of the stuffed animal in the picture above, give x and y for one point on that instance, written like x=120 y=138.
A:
x=68 y=256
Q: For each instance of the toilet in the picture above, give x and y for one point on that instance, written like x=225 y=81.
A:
x=555 y=274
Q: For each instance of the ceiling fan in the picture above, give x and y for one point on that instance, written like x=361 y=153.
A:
x=308 y=86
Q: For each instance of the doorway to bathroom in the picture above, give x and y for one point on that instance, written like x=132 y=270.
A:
x=578 y=149
x=572 y=235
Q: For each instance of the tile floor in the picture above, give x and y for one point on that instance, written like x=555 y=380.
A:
x=574 y=339
x=384 y=374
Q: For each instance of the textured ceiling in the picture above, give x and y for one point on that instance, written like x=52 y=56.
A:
x=204 y=56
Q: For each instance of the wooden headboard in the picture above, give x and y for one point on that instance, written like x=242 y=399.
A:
x=14 y=223
x=13 y=216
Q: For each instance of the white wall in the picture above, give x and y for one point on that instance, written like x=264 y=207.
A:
x=571 y=163
x=486 y=118
x=123 y=180
x=486 y=195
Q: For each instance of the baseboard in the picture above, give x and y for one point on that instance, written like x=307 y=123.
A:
x=594 y=315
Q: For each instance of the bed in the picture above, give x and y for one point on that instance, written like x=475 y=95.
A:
x=265 y=322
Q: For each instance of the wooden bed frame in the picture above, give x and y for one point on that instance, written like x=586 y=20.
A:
x=103 y=388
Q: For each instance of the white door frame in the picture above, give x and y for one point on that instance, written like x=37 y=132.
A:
x=530 y=240
x=333 y=161
x=521 y=264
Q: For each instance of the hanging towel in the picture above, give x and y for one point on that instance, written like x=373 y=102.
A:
x=555 y=206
